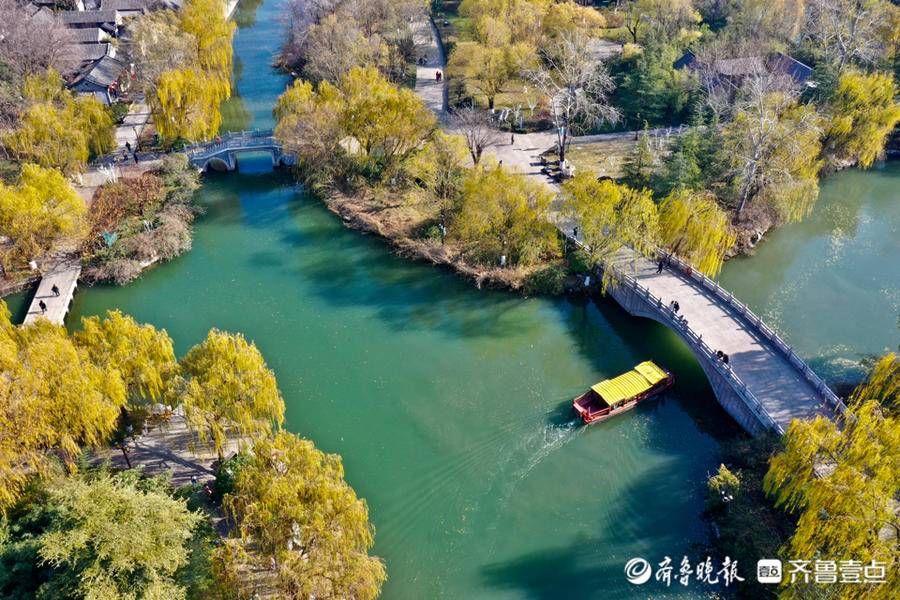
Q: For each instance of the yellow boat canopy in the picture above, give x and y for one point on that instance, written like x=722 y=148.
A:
x=630 y=384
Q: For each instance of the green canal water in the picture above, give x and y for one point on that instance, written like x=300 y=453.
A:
x=451 y=406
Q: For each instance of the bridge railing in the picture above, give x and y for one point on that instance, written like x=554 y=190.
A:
x=765 y=330
x=236 y=139
x=699 y=345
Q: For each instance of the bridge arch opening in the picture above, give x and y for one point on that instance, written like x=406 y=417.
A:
x=217 y=164
x=255 y=161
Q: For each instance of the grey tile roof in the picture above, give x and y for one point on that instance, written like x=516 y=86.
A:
x=88 y=35
x=81 y=17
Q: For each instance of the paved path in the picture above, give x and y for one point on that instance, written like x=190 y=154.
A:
x=130 y=130
x=64 y=275
x=433 y=92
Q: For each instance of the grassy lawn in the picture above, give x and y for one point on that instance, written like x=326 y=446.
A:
x=603 y=158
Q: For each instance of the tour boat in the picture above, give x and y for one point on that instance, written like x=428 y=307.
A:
x=613 y=396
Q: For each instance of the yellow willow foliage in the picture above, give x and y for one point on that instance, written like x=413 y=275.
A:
x=865 y=113
x=205 y=20
x=388 y=122
x=228 y=386
x=142 y=355
x=567 y=16
x=51 y=397
x=883 y=385
x=61 y=131
x=693 y=226
x=291 y=501
x=38 y=211
x=611 y=216
x=504 y=213
x=524 y=18
x=44 y=87
x=187 y=104
x=849 y=511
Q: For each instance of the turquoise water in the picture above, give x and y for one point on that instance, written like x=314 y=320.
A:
x=451 y=406
x=831 y=283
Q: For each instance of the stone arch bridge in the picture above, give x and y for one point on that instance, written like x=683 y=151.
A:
x=222 y=153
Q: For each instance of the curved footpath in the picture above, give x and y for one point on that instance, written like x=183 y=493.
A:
x=763 y=372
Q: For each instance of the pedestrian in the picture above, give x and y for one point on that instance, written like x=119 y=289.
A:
x=512 y=139
x=500 y=164
x=437 y=75
x=659 y=266
x=724 y=358
x=43 y=306
x=575 y=232
x=55 y=290
x=719 y=354
x=675 y=305
x=128 y=146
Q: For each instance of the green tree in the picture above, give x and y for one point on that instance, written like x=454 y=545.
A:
x=843 y=482
x=293 y=509
x=611 y=218
x=505 y=214
x=651 y=90
x=640 y=166
x=228 y=387
x=36 y=213
x=693 y=226
x=114 y=536
x=864 y=113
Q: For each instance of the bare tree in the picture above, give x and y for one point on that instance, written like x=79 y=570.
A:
x=31 y=40
x=576 y=87
x=850 y=31
x=475 y=126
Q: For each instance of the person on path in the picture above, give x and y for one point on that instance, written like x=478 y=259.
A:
x=55 y=290
x=575 y=232
x=675 y=306
x=128 y=146
x=135 y=158
x=724 y=358
x=437 y=75
x=512 y=139
x=660 y=265
x=43 y=306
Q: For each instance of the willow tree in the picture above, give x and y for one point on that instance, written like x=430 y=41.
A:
x=229 y=388
x=611 y=217
x=774 y=145
x=207 y=22
x=693 y=226
x=36 y=213
x=53 y=400
x=504 y=214
x=57 y=129
x=294 y=510
x=864 y=113
x=388 y=122
x=187 y=104
x=115 y=536
x=141 y=355
x=843 y=482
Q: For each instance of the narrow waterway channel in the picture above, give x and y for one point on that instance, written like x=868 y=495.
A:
x=451 y=406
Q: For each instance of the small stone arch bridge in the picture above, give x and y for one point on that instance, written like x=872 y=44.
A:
x=765 y=384
x=222 y=153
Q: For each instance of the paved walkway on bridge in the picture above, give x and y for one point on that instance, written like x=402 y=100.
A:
x=776 y=383
x=64 y=275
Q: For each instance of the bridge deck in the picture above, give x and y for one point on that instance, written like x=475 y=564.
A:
x=65 y=277
x=779 y=385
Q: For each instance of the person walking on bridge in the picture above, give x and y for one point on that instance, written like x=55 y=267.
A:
x=660 y=265
x=43 y=306
x=55 y=290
